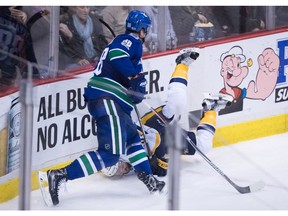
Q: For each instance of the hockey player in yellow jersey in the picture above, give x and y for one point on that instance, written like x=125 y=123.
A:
x=177 y=99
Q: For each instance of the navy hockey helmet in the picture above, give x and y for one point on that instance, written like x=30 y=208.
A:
x=137 y=20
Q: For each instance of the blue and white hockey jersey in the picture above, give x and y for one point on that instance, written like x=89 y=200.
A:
x=122 y=58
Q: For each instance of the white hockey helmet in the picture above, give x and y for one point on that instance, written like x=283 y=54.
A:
x=119 y=169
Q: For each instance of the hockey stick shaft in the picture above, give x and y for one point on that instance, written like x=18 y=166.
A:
x=106 y=24
x=240 y=189
x=143 y=131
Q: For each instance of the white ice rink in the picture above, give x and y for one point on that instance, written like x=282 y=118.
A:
x=201 y=187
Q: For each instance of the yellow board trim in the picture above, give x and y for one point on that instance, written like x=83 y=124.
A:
x=250 y=130
x=224 y=136
x=10 y=189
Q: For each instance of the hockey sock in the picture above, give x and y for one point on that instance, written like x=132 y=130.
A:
x=90 y=163
x=209 y=118
x=138 y=158
x=206 y=130
x=180 y=74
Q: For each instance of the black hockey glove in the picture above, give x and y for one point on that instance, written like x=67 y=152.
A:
x=138 y=88
x=159 y=166
x=189 y=149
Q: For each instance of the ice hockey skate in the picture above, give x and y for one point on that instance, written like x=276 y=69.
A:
x=54 y=179
x=216 y=102
x=187 y=55
x=151 y=182
x=43 y=182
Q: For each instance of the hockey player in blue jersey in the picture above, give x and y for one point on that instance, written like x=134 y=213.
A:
x=111 y=94
x=155 y=129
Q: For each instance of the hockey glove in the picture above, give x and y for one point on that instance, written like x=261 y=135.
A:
x=189 y=150
x=138 y=88
x=159 y=167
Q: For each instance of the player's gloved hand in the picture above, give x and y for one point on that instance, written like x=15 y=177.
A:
x=188 y=149
x=138 y=88
x=159 y=166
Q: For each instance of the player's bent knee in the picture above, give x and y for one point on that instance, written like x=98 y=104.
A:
x=107 y=157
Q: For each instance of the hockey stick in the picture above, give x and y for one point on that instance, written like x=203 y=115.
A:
x=106 y=24
x=247 y=189
x=143 y=131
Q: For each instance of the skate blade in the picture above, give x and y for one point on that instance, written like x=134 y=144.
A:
x=217 y=96
x=164 y=191
x=43 y=183
x=189 y=49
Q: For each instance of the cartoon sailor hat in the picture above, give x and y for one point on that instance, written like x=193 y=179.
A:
x=235 y=51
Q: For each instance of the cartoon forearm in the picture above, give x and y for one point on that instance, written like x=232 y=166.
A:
x=266 y=77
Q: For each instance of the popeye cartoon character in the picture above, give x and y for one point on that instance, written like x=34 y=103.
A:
x=233 y=73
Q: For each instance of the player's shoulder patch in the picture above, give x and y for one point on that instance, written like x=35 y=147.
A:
x=126 y=43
